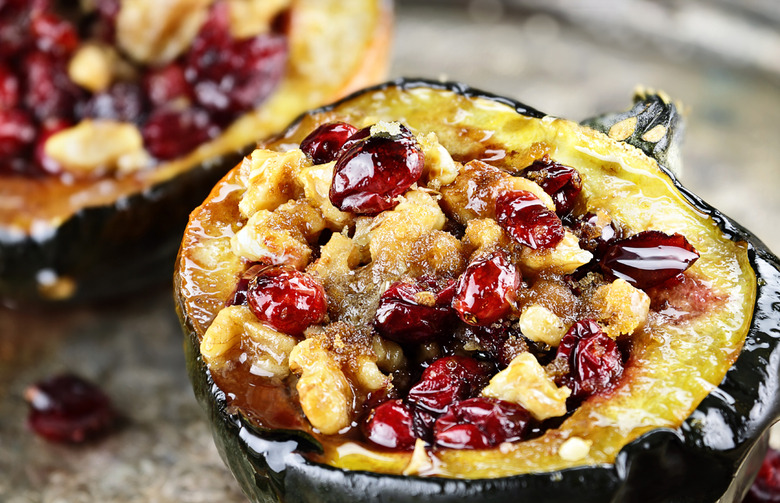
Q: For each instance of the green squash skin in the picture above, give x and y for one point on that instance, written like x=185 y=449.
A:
x=712 y=457
x=115 y=249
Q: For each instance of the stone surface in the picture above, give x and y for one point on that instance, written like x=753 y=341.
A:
x=163 y=452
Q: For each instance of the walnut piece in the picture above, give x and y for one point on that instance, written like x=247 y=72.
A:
x=542 y=325
x=621 y=307
x=525 y=382
x=269 y=179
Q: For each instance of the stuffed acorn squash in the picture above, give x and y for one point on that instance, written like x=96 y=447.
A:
x=425 y=292
x=118 y=116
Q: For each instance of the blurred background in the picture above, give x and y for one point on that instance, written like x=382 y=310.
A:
x=570 y=58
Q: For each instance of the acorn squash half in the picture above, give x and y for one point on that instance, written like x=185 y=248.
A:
x=687 y=421
x=67 y=235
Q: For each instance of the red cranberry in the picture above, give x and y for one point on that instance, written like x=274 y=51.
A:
x=391 y=425
x=50 y=92
x=562 y=183
x=17 y=132
x=766 y=486
x=14 y=29
x=239 y=294
x=287 y=299
x=648 y=258
x=373 y=172
x=231 y=75
x=325 y=141
x=487 y=289
x=595 y=363
x=400 y=316
x=42 y=161
x=53 y=34
x=9 y=88
x=171 y=133
x=481 y=423
x=527 y=220
x=123 y=101
x=66 y=408
x=166 y=84
x=448 y=380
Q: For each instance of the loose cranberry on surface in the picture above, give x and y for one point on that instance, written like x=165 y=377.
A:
x=170 y=133
x=481 y=423
x=766 y=486
x=527 y=220
x=373 y=172
x=446 y=381
x=414 y=312
x=391 y=425
x=66 y=408
x=648 y=258
x=594 y=360
x=562 y=183
x=487 y=289
x=287 y=299
x=233 y=75
x=325 y=142
x=594 y=235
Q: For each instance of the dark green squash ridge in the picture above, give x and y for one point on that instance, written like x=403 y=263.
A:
x=713 y=456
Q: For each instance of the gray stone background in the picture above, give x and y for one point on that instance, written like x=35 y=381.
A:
x=568 y=58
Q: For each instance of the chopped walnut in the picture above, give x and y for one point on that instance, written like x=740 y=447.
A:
x=574 y=449
x=394 y=232
x=474 y=191
x=324 y=391
x=157 y=32
x=315 y=182
x=440 y=169
x=565 y=258
x=525 y=382
x=236 y=333
x=621 y=307
x=269 y=178
x=92 y=66
x=437 y=254
x=483 y=235
x=281 y=236
x=337 y=257
x=542 y=325
x=96 y=145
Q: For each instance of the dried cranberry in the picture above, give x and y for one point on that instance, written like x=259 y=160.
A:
x=648 y=258
x=527 y=220
x=42 y=161
x=562 y=183
x=404 y=315
x=9 y=88
x=373 y=172
x=594 y=360
x=239 y=293
x=448 y=380
x=50 y=92
x=17 y=132
x=286 y=299
x=123 y=101
x=391 y=425
x=481 y=423
x=170 y=133
x=14 y=29
x=766 y=486
x=52 y=33
x=233 y=75
x=166 y=84
x=66 y=408
x=325 y=141
x=487 y=289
